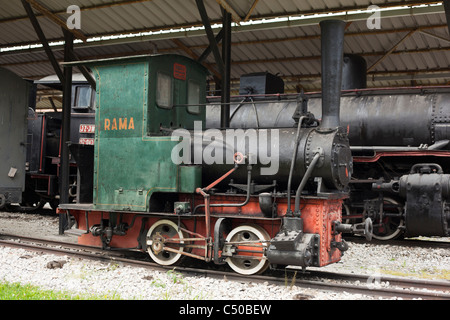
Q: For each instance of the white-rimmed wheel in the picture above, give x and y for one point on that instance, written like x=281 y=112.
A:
x=249 y=244
x=391 y=227
x=164 y=235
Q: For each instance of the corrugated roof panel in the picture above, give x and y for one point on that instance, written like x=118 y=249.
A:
x=11 y=9
x=294 y=58
x=22 y=31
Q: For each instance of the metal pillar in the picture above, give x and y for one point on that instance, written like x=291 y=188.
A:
x=65 y=130
x=223 y=61
x=210 y=34
x=447 y=12
x=226 y=76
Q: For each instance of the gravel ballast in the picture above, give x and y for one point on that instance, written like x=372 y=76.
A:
x=114 y=280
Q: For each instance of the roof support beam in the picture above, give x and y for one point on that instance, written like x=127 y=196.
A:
x=249 y=13
x=194 y=56
x=208 y=50
x=53 y=17
x=48 y=51
x=84 y=71
x=434 y=36
x=236 y=16
x=225 y=5
x=210 y=35
x=43 y=40
x=391 y=50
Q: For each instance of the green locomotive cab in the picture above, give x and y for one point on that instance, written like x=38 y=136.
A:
x=140 y=101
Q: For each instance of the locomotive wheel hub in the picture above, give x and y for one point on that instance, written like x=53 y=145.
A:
x=249 y=243
x=157 y=243
x=389 y=227
x=158 y=237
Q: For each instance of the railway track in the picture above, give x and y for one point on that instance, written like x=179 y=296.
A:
x=368 y=285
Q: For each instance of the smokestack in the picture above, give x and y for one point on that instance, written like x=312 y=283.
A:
x=332 y=60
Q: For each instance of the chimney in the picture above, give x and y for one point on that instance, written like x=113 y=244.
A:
x=332 y=60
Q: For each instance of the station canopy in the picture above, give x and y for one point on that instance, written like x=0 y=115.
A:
x=407 y=46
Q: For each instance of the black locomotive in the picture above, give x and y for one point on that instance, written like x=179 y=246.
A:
x=399 y=139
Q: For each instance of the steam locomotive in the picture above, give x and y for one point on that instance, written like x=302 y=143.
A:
x=400 y=167
x=165 y=185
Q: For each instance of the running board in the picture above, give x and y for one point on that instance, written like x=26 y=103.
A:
x=75 y=232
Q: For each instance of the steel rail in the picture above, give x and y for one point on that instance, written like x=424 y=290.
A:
x=368 y=284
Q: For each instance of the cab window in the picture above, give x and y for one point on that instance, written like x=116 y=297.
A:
x=82 y=96
x=164 y=97
x=193 y=97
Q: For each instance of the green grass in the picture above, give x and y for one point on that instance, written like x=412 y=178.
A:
x=16 y=291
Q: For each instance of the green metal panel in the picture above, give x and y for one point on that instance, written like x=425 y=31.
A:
x=190 y=178
x=132 y=156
